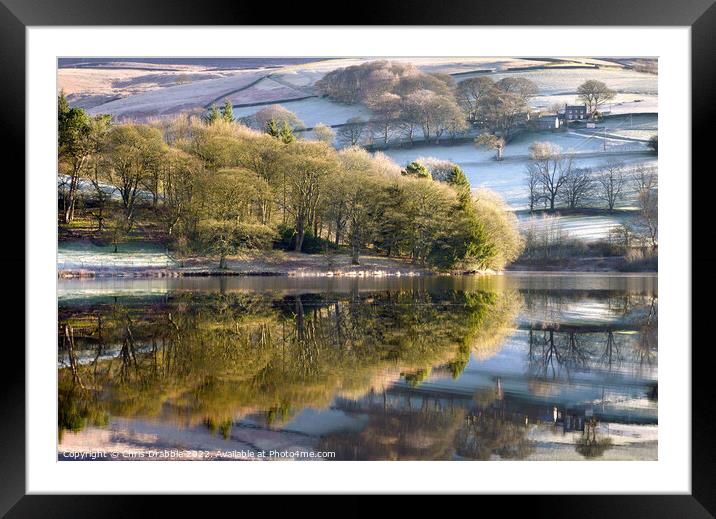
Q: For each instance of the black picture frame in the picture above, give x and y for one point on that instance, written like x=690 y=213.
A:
x=699 y=15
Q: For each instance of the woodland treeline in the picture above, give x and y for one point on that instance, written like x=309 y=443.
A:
x=407 y=104
x=212 y=186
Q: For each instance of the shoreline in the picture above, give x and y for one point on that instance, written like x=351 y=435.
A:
x=291 y=264
x=272 y=264
x=179 y=273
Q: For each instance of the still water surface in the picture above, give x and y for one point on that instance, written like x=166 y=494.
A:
x=546 y=367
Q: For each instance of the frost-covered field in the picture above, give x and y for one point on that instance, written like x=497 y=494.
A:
x=147 y=92
x=266 y=90
x=174 y=99
x=83 y=255
x=565 y=81
x=516 y=152
x=636 y=126
x=584 y=227
x=125 y=81
x=313 y=111
x=637 y=92
x=621 y=104
x=507 y=177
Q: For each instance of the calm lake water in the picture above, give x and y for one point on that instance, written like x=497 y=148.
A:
x=513 y=367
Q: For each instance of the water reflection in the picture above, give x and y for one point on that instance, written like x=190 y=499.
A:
x=421 y=369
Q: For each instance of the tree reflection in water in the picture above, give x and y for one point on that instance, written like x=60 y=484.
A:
x=559 y=350
x=209 y=358
x=409 y=427
x=591 y=446
x=213 y=359
x=426 y=433
x=493 y=433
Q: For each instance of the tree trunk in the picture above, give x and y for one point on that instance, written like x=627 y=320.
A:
x=70 y=205
x=355 y=253
x=300 y=233
x=222 y=262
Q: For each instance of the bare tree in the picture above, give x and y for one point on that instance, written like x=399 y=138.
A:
x=409 y=118
x=612 y=182
x=550 y=169
x=434 y=113
x=351 y=133
x=522 y=87
x=578 y=186
x=502 y=112
x=488 y=140
x=385 y=118
x=471 y=92
x=360 y=83
x=646 y=187
x=534 y=192
x=594 y=94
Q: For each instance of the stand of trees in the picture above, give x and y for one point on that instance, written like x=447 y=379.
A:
x=79 y=140
x=408 y=103
x=216 y=187
x=553 y=181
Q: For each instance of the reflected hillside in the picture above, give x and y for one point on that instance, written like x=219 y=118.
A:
x=193 y=358
x=404 y=426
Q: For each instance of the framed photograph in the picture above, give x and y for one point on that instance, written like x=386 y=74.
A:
x=420 y=253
